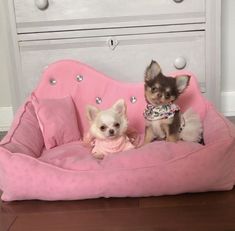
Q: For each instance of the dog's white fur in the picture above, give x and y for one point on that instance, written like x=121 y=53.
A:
x=114 y=120
x=108 y=118
x=192 y=131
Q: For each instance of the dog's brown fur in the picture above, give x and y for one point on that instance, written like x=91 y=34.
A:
x=160 y=90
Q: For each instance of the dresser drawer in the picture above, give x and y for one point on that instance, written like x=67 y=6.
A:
x=55 y=15
x=122 y=57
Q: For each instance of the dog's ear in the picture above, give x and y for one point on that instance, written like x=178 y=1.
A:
x=91 y=112
x=182 y=81
x=152 y=71
x=120 y=107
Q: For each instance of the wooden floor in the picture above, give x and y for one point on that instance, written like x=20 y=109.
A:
x=202 y=211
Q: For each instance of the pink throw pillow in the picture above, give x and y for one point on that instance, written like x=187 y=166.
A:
x=57 y=120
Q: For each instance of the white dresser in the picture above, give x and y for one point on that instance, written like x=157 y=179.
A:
x=117 y=37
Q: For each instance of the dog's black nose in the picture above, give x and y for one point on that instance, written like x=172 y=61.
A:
x=111 y=132
x=159 y=95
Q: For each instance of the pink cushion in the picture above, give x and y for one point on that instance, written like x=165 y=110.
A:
x=57 y=120
x=158 y=168
x=25 y=135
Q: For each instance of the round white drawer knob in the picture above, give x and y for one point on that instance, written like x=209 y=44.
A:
x=42 y=4
x=180 y=63
x=178 y=1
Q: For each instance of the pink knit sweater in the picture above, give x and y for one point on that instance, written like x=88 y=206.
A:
x=112 y=145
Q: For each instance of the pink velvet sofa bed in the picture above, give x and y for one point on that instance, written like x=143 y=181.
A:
x=42 y=156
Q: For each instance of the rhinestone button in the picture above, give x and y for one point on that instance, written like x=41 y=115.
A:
x=133 y=99
x=98 y=100
x=79 y=78
x=52 y=81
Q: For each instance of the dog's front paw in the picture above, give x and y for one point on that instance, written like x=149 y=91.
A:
x=172 y=138
x=99 y=156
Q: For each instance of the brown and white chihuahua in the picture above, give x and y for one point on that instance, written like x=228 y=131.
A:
x=163 y=118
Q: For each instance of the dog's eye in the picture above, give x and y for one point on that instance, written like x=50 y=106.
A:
x=103 y=128
x=154 y=89
x=116 y=125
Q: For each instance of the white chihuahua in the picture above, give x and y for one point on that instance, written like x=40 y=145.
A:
x=108 y=129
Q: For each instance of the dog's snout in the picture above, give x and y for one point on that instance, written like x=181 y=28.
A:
x=159 y=95
x=111 y=132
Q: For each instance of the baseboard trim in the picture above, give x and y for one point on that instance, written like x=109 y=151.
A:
x=228 y=103
x=6 y=116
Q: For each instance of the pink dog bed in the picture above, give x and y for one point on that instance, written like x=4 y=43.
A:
x=42 y=156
